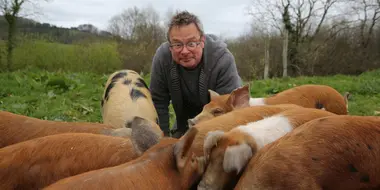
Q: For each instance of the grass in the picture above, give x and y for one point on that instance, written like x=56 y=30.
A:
x=98 y=57
x=53 y=95
x=68 y=96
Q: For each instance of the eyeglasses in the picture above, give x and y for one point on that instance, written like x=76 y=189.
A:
x=179 y=46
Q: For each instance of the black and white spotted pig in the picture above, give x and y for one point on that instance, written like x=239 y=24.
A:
x=125 y=96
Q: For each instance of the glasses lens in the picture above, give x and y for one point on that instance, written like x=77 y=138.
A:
x=189 y=46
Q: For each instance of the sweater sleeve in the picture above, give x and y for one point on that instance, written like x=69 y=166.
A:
x=228 y=78
x=160 y=92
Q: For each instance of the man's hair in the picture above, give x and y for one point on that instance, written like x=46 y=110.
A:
x=182 y=18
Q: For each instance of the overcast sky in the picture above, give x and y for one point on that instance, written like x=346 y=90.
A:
x=225 y=17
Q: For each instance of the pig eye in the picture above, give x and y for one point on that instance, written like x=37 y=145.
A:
x=217 y=111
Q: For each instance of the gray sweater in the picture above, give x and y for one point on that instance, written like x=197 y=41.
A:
x=217 y=72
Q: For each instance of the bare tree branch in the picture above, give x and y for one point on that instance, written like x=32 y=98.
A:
x=368 y=13
x=326 y=9
x=374 y=19
x=137 y=24
x=267 y=12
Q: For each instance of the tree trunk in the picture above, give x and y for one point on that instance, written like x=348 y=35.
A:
x=285 y=54
x=266 y=58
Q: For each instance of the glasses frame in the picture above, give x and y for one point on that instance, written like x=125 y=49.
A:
x=178 y=46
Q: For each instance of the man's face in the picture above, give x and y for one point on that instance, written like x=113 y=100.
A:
x=186 y=45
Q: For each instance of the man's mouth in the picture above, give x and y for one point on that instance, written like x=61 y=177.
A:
x=187 y=60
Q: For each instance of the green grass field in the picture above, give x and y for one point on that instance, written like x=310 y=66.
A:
x=69 y=96
x=96 y=57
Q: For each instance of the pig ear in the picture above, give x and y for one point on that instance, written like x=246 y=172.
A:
x=144 y=134
x=213 y=94
x=210 y=141
x=239 y=97
x=236 y=157
x=346 y=96
x=182 y=147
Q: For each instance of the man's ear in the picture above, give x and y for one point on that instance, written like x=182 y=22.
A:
x=203 y=40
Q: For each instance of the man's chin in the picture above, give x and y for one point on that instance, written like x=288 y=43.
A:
x=189 y=65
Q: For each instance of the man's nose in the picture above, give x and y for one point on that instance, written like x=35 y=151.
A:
x=185 y=50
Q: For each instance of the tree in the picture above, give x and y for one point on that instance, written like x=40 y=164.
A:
x=167 y=17
x=10 y=9
x=135 y=24
x=88 y=28
x=141 y=31
x=301 y=19
x=368 y=14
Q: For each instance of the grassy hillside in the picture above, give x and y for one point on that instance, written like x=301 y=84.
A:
x=47 y=47
x=25 y=26
x=76 y=96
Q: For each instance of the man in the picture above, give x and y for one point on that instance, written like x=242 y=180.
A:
x=185 y=67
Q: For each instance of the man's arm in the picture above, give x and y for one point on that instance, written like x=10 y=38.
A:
x=228 y=77
x=160 y=93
